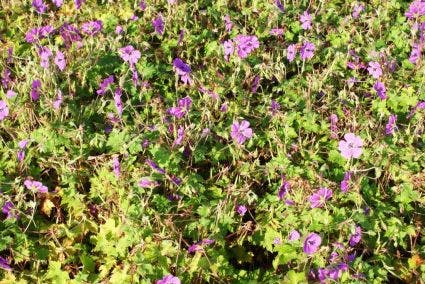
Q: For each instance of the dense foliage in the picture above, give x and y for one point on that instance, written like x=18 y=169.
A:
x=212 y=141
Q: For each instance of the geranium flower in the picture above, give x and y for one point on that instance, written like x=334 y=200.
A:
x=391 y=125
x=294 y=235
x=291 y=52
x=356 y=237
x=129 y=54
x=158 y=24
x=241 y=209
x=4 y=110
x=35 y=185
x=351 y=147
x=168 y=279
x=305 y=20
x=307 y=50
x=183 y=70
x=60 y=60
x=374 y=69
x=312 y=243
x=380 y=90
x=319 y=198
x=241 y=131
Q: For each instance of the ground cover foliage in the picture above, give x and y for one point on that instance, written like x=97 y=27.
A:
x=212 y=141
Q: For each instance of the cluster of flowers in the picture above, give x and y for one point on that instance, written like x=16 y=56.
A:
x=244 y=45
x=40 y=7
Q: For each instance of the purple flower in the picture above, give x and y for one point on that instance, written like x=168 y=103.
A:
x=274 y=107
x=284 y=188
x=229 y=48
x=59 y=99
x=146 y=182
x=415 y=53
x=4 y=110
x=319 y=198
x=277 y=31
x=39 y=6
x=241 y=131
x=58 y=3
x=60 y=60
x=255 y=84
x=180 y=136
x=357 y=9
x=294 y=235
x=7 y=209
x=105 y=84
x=78 y=3
x=345 y=181
x=305 y=20
x=44 y=52
x=6 y=79
x=416 y=9
x=241 y=209
x=224 y=107
x=182 y=109
x=291 y=52
x=168 y=279
x=277 y=241
x=158 y=24
x=154 y=166
x=391 y=125
x=183 y=70
x=70 y=34
x=176 y=180
x=130 y=54
x=181 y=36
x=37 y=34
x=116 y=166
x=351 y=147
x=280 y=6
x=419 y=105
x=9 y=55
x=118 y=30
x=307 y=50
x=35 y=90
x=142 y=5
x=5 y=264
x=374 y=69
x=10 y=94
x=246 y=44
x=356 y=237
x=334 y=127
x=171 y=2
x=23 y=144
x=380 y=89
x=118 y=102
x=228 y=23
x=35 y=185
x=92 y=28
x=21 y=153
x=312 y=243
x=195 y=248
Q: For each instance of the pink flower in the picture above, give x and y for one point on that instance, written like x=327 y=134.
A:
x=319 y=198
x=60 y=60
x=305 y=20
x=35 y=185
x=241 y=131
x=241 y=209
x=130 y=54
x=4 y=110
x=374 y=69
x=291 y=52
x=351 y=147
